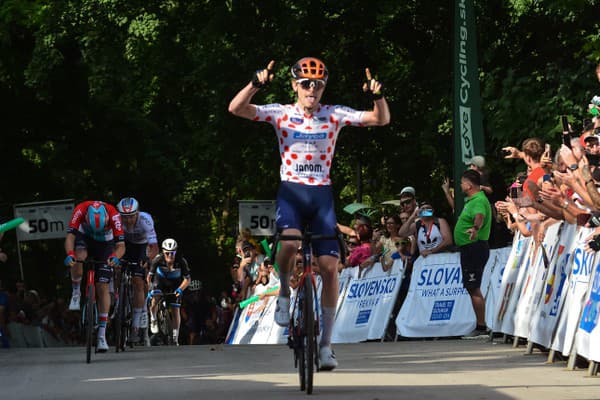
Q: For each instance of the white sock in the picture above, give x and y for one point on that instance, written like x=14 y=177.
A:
x=175 y=334
x=328 y=321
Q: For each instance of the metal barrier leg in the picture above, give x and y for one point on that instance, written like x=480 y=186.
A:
x=515 y=342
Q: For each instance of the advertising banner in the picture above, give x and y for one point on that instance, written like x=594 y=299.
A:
x=534 y=281
x=437 y=303
x=578 y=281
x=545 y=318
x=366 y=308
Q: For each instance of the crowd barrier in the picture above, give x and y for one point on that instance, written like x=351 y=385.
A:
x=547 y=294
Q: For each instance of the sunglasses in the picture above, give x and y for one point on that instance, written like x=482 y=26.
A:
x=352 y=244
x=311 y=83
x=402 y=242
x=406 y=202
x=169 y=253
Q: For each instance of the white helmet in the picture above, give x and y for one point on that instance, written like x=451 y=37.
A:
x=128 y=206
x=169 y=245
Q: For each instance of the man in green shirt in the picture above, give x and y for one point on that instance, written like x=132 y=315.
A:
x=471 y=235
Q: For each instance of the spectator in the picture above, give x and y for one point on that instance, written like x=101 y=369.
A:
x=388 y=242
x=471 y=233
x=249 y=266
x=408 y=201
x=433 y=233
x=477 y=163
x=363 y=251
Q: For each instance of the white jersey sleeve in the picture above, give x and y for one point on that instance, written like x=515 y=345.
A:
x=147 y=224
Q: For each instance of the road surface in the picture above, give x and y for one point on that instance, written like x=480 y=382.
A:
x=434 y=369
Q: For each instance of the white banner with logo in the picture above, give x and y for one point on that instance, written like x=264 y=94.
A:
x=534 y=281
x=437 y=304
x=367 y=304
x=510 y=272
x=545 y=318
x=588 y=334
x=491 y=282
x=577 y=285
x=514 y=283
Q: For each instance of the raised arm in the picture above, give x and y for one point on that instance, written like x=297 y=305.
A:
x=240 y=105
x=381 y=112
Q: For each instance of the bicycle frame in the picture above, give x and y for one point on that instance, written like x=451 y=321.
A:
x=304 y=325
x=164 y=314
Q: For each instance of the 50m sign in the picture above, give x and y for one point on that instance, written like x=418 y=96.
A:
x=258 y=216
x=47 y=220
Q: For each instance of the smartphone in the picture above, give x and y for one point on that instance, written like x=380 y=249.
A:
x=547 y=178
x=565 y=124
x=514 y=192
x=547 y=150
x=566 y=137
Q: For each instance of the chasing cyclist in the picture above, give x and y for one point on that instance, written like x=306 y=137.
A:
x=169 y=273
x=142 y=245
x=307 y=132
x=94 y=230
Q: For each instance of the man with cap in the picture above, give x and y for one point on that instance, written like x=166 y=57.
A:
x=471 y=235
x=408 y=201
x=478 y=164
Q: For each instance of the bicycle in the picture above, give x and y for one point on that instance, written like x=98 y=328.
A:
x=123 y=318
x=89 y=315
x=304 y=322
x=164 y=318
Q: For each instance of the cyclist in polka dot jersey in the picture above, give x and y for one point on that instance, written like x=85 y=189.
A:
x=307 y=133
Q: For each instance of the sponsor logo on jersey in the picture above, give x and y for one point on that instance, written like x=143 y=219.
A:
x=316 y=168
x=309 y=136
x=296 y=120
x=322 y=119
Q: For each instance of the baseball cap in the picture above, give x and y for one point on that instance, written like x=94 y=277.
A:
x=408 y=190
x=477 y=161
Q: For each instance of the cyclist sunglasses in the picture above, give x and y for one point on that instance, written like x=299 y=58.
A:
x=169 y=253
x=311 y=83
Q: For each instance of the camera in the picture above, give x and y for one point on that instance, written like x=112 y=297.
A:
x=594 y=220
x=594 y=244
x=247 y=254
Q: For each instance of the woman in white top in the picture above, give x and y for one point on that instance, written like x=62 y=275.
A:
x=433 y=233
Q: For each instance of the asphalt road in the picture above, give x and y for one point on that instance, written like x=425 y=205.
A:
x=440 y=369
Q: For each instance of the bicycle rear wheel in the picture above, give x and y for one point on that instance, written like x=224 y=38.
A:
x=298 y=339
x=89 y=323
x=118 y=320
x=309 y=344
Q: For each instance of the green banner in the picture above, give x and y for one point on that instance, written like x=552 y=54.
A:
x=467 y=121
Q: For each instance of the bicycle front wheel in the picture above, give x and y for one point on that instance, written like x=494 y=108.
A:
x=309 y=341
x=89 y=323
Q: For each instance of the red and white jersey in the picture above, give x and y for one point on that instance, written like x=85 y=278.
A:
x=113 y=230
x=142 y=231
x=307 y=142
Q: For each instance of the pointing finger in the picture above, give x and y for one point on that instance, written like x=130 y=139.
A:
x=271 y=64
x=368 y=73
